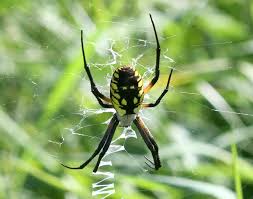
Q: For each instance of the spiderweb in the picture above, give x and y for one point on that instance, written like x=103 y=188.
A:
x=114 y=53
x=118 y=46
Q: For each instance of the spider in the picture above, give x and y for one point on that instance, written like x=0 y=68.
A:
x=126 y=97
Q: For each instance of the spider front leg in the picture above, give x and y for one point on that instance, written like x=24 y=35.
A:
x=104 y=144
x=100 y=97
x=162 y=95
x=149 y=140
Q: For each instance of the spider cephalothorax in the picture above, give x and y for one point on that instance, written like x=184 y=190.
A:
x=126 y=97
x=126 y=93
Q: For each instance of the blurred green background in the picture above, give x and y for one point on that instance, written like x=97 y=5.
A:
x=48 y=115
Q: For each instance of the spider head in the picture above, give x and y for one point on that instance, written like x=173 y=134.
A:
x=126 y=120
x=126 y=92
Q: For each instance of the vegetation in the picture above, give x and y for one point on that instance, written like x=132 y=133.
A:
x=48 y=115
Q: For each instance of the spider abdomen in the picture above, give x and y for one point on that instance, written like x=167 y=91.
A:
x=126 y=90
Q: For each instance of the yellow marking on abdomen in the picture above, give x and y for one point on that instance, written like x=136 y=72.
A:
x=114 y=86
x=136 y=100
x=114 y=91
x=123 y=101
x=140 y=83
x=115 y=101
x=116 y=74
x=121 y=111
x=142 y=97
x=116 y=95
x=140 y=92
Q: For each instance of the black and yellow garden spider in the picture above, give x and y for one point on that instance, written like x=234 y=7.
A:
x=126 y=97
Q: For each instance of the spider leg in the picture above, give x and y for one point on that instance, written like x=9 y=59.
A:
x=149 y=166
x=149 y=162
x=162 y=95
x=106 y=147
x=158 y=52
x=94 y=89
x=103 y=143
x=149 y=140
